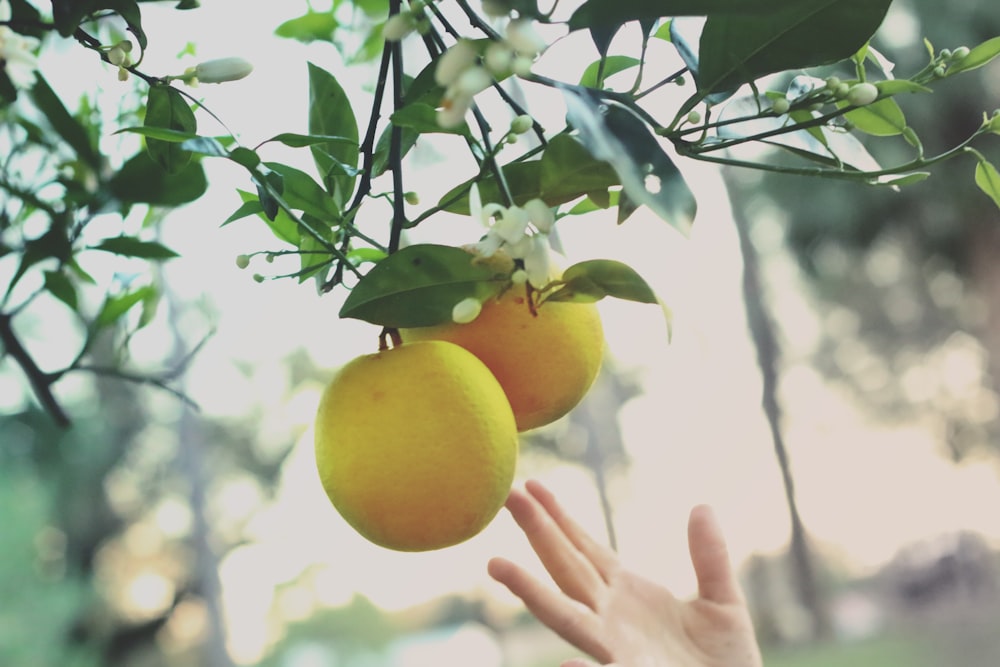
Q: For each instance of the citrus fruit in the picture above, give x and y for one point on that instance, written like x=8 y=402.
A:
x=545 y=362
x=416 y=445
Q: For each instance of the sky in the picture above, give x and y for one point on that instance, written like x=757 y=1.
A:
x=696 y=434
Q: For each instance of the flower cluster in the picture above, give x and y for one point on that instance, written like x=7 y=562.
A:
x=521 y=232
x=17 y=52
x=464 y=72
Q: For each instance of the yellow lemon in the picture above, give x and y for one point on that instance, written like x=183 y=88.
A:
x=416 y=446
x=545 y=361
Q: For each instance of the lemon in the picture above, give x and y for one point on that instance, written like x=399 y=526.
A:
x=416 y=445
x=545 y=362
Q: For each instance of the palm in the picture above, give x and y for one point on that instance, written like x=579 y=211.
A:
x=615 y=615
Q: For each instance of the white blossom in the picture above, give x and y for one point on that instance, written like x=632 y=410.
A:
x=17 y=52
x=461 y=56
x=523 y=38
x=540 y=215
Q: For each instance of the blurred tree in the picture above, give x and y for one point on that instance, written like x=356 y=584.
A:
x=908 y=282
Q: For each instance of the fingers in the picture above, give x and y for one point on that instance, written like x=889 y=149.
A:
x=580 y=662
x=710 y=557
x=569 y=566
x=602 y=557
x=567 y=619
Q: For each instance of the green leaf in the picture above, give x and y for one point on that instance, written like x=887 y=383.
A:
x=897 y=180
x=991 y=123
x=988 y=180
x=129 y=246
x=60 y=286
x=569 y=171
x=116 y=306
x=301 y=192
x=302 y=140
x=613 y=133
x=612 y=65
x=736 y=49
x=897 y=86
x=882 y=118
x=597 y=278
x=247 y=208
x=422 y=118
x=141 y=180
x=166 y=108
x=524 y=179
x=65 y=125
x=419 y=286
x=160 y=133
x=310 y=27
x=978 y=56
x=209 y=146
x=380 y=159
x=280 y=223
x=330 y=113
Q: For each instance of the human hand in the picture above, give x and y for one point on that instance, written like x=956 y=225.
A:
x=617 y=616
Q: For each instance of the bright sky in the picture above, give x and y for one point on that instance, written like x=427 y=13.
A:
x=696 y=435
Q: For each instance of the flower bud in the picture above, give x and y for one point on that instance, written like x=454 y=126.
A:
x=412 y=198
x=222 y=70
x=959 y=54
x=519 y=277
x=242 y=261
x=694 y=116
x=521 y=124
x=523 y=38
x=832 y=83
x=498 y=58
x=472 y=81
x=496 y=8
x=466 y=310
x=840 y=92
x=454 y=61
x=521 y=65
x=780 y=105
x=862 y=94
x=116 y=56
x=258 y=278
x=398 y=26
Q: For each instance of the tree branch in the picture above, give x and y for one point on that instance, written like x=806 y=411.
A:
x=41 y=382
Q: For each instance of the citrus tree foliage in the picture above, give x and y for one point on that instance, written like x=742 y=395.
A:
x=799 y=78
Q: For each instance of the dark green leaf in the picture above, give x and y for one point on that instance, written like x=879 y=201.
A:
x=167 y=109
x=736 y=49
x=129 y=246
x=419 y=286
x=988 y=180
x=330 y=113
x=595 y=279
x=209 y=146
x=141 y=180
x=310 y=27
x=245 y=157
x=60 y=286
x=116 y=306
x=616 y=12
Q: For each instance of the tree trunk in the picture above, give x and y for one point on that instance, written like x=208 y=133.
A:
x=766 y=343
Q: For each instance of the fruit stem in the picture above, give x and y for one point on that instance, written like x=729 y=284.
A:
x=389 y=334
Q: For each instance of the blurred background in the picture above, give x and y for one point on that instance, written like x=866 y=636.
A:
x=828 y=382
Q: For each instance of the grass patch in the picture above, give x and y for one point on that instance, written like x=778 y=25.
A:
x=877 y=652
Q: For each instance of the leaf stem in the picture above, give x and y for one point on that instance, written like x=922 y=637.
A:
x=396 y=140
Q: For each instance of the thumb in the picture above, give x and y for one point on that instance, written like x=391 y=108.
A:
x=710 y=557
